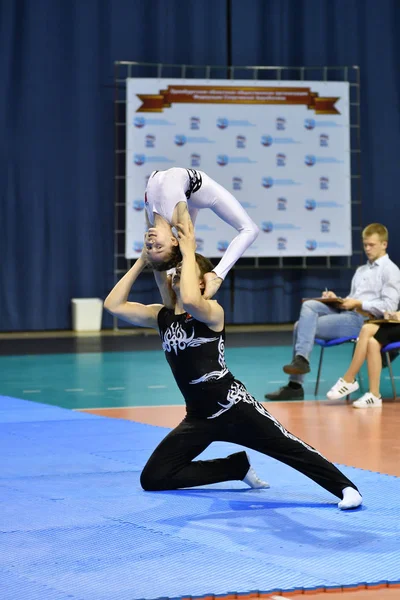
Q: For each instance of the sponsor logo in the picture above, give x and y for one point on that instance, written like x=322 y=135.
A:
x=222 y=245
x=222 y=160
x=281 y=203
x=324 y=140
x=267 y=182
x=325 y=226
x=139 y=159
x=150 y=141
x=310 y=160
x=139 y=122
x=266 y=140
x=180 y=140
x=237 y=183
x=324 y=183
x=281 y=160
x=310 y=204
x=240 y=141
x=309 y=124
x=281 y=243
x=280 y=123
x=194 y=122
x=267 y=226
x=138 y=246
x=222 y=123
x=195 y=160
x=199 y=244
x=138 y=204
x=311 y=244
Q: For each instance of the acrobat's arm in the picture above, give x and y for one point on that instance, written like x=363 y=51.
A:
x=142 y=315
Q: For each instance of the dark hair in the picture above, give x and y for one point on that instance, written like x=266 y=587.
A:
x=205 y=265
x=173 y=259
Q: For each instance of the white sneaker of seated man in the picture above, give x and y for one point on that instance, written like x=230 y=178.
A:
x=368 y=400
x=342 y=388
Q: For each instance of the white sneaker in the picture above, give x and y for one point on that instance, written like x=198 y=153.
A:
x=342 y=388
x=368 y=401
x=253 y=480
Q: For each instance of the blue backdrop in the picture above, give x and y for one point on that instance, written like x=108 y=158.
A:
x=56 y=131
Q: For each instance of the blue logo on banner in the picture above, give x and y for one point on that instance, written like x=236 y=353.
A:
x=267 y=182
x=139 y=159
x=281 y=243
x=281 y=204
x=222 y=123
x=138 y=204
x=150 y=141
x=240 y=141
x=138 y=246
x=281 y=123
x=324 y=140
x=309 y=124
x=266 y=140
x=267 y=226
x=310 y=204
x=222 y=160
x=199 y=244
x=139 y=122
x=180 y=140
x=237 y=183
x=324 y=183
x=281 y=160
x=195 y=160
x=311 y=244
x=222 y=245
x=194 y=122
x=325 y=226
x=310 y=160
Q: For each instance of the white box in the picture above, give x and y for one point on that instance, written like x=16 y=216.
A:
x=87 y=314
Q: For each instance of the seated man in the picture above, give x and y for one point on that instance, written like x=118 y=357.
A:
x=218 y=406
x=375 y=288
x=372 y=338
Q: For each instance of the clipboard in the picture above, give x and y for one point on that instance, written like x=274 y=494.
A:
x=337 y=300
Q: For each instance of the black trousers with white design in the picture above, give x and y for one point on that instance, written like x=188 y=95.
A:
x=247 y=423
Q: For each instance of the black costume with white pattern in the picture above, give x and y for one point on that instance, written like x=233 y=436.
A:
x=219 y=408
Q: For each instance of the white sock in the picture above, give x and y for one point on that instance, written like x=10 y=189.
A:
x=253 y=480
x=351 y=499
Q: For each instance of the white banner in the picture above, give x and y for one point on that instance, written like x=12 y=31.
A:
x=281 y=147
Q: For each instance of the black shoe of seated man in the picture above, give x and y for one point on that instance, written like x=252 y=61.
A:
x=298 y=366
x=286 y=393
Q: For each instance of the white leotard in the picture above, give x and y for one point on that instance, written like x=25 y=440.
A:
x=166 y=188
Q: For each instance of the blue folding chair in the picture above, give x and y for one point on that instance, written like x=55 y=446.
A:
x=328 y=344
x=386 y=351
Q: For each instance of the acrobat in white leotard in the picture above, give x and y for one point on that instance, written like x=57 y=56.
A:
x=166 y=188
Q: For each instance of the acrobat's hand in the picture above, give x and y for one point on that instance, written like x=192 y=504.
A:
x=392 y=316
x=213 y=283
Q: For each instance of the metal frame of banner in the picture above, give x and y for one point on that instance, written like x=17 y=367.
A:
x=127 y=69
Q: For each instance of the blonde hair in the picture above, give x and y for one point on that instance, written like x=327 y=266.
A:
x=377 y=228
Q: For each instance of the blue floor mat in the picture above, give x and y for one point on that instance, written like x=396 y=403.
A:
x=75 y=523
